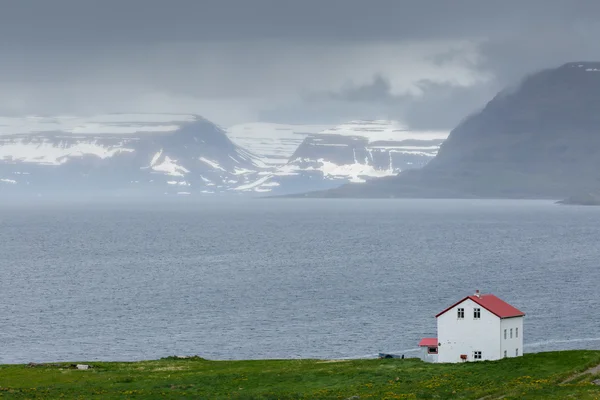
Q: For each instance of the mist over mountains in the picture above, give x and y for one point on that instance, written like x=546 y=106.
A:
x=539 y=139
x=358 y=151
x=173 y=154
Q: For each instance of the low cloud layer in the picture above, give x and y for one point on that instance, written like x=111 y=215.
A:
x=426 y=62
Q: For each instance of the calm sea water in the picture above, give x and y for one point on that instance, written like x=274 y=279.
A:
x=285 y=278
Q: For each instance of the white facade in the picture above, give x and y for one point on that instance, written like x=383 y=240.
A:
x=512 y=344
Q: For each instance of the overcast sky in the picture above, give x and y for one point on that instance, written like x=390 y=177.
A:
x=426 y=62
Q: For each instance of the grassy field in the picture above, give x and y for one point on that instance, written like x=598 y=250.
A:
x=534 y=376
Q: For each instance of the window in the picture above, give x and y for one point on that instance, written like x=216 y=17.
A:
x=432 y=350
x=511 y=333
x=505 y=334
x=477 y=355
x=461 y=313
x=477 y=313
x=516 y=332
x=517 y=352
x=504 y=353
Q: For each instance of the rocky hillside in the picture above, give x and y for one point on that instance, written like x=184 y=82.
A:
x=539 y=139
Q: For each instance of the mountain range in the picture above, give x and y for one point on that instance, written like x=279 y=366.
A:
x=173 y=154
x=537 y=139
x=123 y=153
x=358 y=151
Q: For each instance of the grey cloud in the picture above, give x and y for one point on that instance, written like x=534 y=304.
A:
x=308 y=60
x=115 y=21
x=444 y=106
x=439 y=107
x=378 y=91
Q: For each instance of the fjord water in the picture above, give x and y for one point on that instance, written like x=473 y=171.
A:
x=285 y=278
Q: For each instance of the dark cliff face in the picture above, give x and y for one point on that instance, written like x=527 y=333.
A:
x=540 y=139
x=552 y=115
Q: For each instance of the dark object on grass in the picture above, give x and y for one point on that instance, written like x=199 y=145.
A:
x=385 y=355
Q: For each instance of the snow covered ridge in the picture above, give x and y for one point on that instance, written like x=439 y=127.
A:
x=123 y=152
x=384 y=131
x=111 y=124
x=353 y=152
x=56 y=151
x=56 y=140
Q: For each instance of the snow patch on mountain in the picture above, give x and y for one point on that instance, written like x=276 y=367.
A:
x=254 y=185
x=106 y=124
x=169 y=166
x=352 y=172
x=214 y=164
x=57 y=150
x=180 y=183
x=383 y=131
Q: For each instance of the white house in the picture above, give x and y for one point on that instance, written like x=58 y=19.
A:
x=478 y=327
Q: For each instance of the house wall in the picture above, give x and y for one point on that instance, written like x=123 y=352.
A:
x=508 y=344
x=465 y=336
x=425 y=356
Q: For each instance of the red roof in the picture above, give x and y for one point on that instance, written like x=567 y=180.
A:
x=493 y=304
x=428 y=342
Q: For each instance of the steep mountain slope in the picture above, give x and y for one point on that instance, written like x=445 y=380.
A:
x=354 y=152
x=120 y=152
x=540 y=139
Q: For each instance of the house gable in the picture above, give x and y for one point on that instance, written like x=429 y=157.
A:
x=493 y=304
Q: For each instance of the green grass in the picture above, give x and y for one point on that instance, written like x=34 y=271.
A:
x=533 y=376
